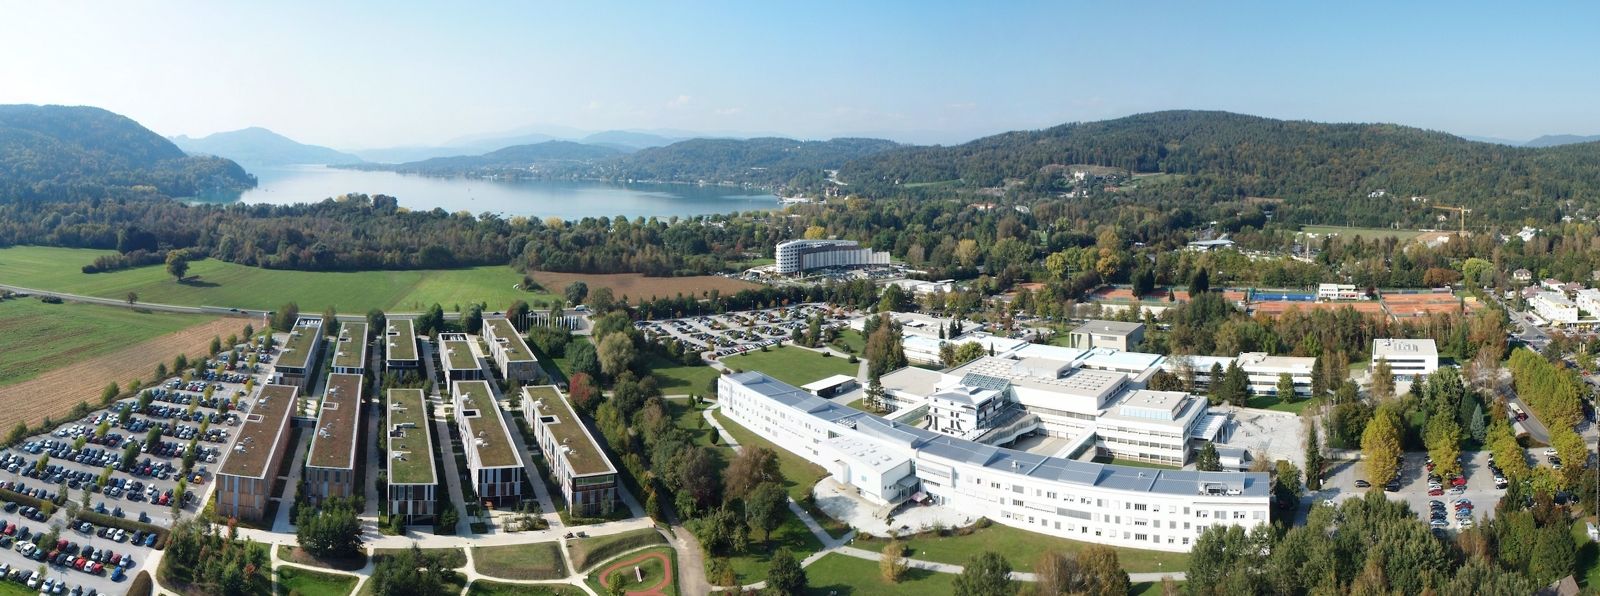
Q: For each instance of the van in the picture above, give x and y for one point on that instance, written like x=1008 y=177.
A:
x=1594 y=533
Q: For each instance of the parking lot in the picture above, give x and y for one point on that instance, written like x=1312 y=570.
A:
x=106 y=462
x=738 y=332
x=1413 y=480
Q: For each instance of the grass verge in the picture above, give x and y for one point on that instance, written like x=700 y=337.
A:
x=539 y=560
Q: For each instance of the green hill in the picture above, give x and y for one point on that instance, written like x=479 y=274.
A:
x=261 y=147
x=757 y=161
x=55 y=152
x=516 y=157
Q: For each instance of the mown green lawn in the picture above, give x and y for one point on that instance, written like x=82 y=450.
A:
x=843 y=575
x=539 y=560
x=799 y=475
x=795 y=366
x=294 y=580
x=75 y=332
x=675 y=378
x=1022 y=547
x=217 y=283
x=1273 y=402
x=489 y=588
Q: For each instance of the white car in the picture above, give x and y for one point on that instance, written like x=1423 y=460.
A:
x=1549 y=452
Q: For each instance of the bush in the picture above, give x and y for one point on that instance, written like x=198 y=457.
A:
x=141 y=585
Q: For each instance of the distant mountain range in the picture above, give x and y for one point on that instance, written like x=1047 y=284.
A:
x=623 y=140
x=517 y=158
x=1556 y=140
x=257 y=146
x=55 y=152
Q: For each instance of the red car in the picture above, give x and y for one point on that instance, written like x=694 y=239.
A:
x=1436 y=492
x=1458 y=481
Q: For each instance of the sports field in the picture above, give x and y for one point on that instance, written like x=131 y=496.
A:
x=217 y=283
x=36 y=337
x=1365 y=233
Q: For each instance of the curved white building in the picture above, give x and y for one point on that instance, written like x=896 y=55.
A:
x=889 y=463
x=795 y=256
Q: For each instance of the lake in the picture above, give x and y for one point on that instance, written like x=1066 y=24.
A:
x=533 y=198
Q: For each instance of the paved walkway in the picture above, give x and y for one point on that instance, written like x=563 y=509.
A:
x=282 y=523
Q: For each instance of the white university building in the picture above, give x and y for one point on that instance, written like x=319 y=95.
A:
x=889 y=462
x=796 y=256
x=1408 y=358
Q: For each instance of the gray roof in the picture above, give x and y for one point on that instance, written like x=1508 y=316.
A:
x=1182 y=482
x=1108 y=327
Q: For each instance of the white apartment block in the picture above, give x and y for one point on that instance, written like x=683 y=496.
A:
x=1554 y=307
x=1588 y=302
x=1408 y=358
x=890 y=462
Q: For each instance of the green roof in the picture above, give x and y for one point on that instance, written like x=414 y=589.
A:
x=516 y=349
x=351 y=349
x=458 y=354
x=333 y=443
x=296 y=352
x=410 y=438
x=401 y=340
x=258 y=435
x=582 y=453
x=486 y=434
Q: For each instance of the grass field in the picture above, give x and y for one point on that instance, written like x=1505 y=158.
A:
x=1272 y=402
x=795 y=366
x=452 y=557
x=1151 y=589
x=651 y=568
x=294 y=580
x=1365 y=233
x=488 y=588
x=588 y=552
x=218 y=283
x=75 y=332
x=843 y=575
x=539 y=560
x=1021 y=547
x=799 y=475
x=853 y=340
x=675 y=378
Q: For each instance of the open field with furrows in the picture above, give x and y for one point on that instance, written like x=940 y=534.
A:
x=218 y=283
x=36 y=337
x=638 y=287
x=54 y=393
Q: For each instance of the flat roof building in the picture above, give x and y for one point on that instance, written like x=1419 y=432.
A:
x=510 y=352
x=299 y=354
x=797 y=256
x=400 y=344
x=350 y=349
x=586 y=476
x=889 y=463
x=411 y=475
x=1408 y=358
x=459 y=358
x=492 y=459
x=331 y=462
x=831 y=386
x=1116 y=335
x=246 y=481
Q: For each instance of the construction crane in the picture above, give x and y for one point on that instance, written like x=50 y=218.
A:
x=1463 y=212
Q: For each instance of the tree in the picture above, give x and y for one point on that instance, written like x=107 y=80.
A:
x=602 y=301
x=133 y=297
x=766 y=507
x=1102 y=572
x=377 y=321
x=329 y=530
x=1382 y=380
x=473 y=321
x=1314 y=460
x=330 y=321
x=892 y=562
x=1286 y=387
x=410 y=573
x=1199 y=283
x=753 y=466
x=1442 y=436
x=1056 y=574
x=582 y=358
x=986 y=574
x=283 y=320
x=1319 y=384
x=584 y=393
x=110 y=393
x=1380 y=445
x=615 y=353
x=177 y=264
x=1208 y=460
x=576 y=292
x=785 y=577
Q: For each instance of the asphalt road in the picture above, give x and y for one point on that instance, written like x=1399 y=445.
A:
x=182 y=309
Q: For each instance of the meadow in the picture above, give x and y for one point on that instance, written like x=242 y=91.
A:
x=36 y=337
x=218 y=283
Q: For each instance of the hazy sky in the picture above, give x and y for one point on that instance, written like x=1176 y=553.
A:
x=371 y=74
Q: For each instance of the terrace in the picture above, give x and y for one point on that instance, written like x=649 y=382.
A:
x=401 y=340
x=350 y=351
x=583 y=455
x=334 y=444
x=486 y=435
x=410 y=438
x=297 y=350
x=259 y=434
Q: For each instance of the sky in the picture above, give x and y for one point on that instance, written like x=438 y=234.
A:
x=356 y=75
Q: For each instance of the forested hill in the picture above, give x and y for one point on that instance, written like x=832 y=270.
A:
x=516 y=157
x=259 y=146
x=1252 y=156
x=762 y=161
x=57 y=152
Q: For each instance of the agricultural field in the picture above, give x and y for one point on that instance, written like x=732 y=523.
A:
x=217 y=283
x=636 y=286
x=85 y=379
x=795 y=366
x=36 y=337
x=1364 y=233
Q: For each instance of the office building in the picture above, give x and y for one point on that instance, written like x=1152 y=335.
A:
x=587 y=479
x=798 y=256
